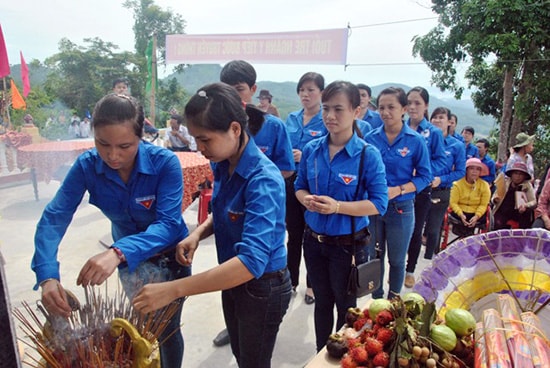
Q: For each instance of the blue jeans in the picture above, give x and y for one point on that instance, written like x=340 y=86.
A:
x=328 y=266
x=158 y=269
x=393 y=232
x=253 y=313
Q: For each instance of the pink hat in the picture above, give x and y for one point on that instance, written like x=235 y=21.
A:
x=476 y=162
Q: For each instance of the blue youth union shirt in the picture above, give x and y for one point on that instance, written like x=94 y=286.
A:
x=273 y=140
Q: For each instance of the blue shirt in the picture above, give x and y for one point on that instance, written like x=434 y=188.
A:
x=471 y=151
x=436 y=147
x=338 y=179
x=248 y=210
x=373 y=118
x=406 y=159
x=301 y=134
x=458 y=136
x=145 y=213
x=274 y=142
x=455 y=167
x=491 y=165
x=363 y=126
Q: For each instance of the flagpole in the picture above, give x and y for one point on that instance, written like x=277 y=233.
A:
x=6 y=105
x=154 y=78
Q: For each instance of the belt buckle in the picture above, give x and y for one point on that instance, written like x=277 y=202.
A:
x=320 y=238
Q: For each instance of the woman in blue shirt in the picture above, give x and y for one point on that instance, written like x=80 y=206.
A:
x=303 y=126
x=408 y=172
x=418 y=100
x=139 y=187
x=248 y=215
x=455 y=169
x=326 y=185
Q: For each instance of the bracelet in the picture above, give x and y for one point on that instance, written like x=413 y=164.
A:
x=119 y=254
x=50 y=279
x=337 y=207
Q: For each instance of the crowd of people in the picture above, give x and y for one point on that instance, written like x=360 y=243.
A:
x=329 y=185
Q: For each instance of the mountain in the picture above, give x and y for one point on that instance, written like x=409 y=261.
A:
x=286 y=99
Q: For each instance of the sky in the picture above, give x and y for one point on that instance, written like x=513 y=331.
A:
x=379 y=48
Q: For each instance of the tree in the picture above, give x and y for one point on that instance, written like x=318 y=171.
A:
x=80 y=76
x=150 y=20
x=508 y=45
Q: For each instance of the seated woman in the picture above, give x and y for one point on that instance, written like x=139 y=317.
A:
x=514 y=200
x=542 y=212
x=470 y=197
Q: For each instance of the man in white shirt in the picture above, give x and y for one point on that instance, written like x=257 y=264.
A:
x=178 y=137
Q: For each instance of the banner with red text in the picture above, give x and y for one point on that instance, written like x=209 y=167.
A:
x=305 y=47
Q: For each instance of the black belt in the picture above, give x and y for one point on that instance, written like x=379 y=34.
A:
x=438 y=189
x=349 y=239
x=274 y=275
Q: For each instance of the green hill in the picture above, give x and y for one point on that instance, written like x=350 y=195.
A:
x=286 y=98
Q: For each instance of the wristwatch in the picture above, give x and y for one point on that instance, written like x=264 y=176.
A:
x=402 y=187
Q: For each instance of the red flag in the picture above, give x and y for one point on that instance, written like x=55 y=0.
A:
x=25 y=76
x=4 y=63
x=17 y=101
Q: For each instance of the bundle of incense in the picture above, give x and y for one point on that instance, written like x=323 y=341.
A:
x=480 y=351
x=518 y=345
x=538 y=342
x=495 y=341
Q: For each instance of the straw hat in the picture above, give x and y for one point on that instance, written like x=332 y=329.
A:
x=523 y=139
x=518 y=166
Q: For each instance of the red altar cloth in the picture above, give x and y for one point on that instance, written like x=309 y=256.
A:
x=196 y=170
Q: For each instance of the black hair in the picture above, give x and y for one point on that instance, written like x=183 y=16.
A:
x=316 y=78
x=456 y=118
x=441 y=110
x=115 y=109
x=423 y=92
x=351 y=91
x=365 y=87
x=397 y=92
x=215 y=106
x=238 y=71
x=178 y=118
x=469 y=129
x=444 y=111
x=485 y=142
x=120 y=80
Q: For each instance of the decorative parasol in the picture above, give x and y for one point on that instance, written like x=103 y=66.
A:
x=472 y=272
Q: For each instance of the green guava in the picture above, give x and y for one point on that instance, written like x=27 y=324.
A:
x=461 y=321
x=377 y=306
x=443 y=336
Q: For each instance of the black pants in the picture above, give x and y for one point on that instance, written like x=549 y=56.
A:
x=422 y=204
x=295 y=226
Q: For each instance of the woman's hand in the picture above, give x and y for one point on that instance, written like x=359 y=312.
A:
x=154 y=296
x=473 y=221
x=185 y=250
x=297 y=154
x=436 y=182
x=98 y=268
x=324 y=205
x=54 y=298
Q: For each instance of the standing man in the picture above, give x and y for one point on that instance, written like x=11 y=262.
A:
x=482 y=145
x=452 y=128
x=371 y=117
x=468 y=134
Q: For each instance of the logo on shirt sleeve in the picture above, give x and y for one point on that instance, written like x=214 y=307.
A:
x=403 y=151
x=235 y=216
x=146 y=201
x=346 y=178
x=263 y=148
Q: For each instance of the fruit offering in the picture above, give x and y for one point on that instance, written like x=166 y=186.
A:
x=404 y=333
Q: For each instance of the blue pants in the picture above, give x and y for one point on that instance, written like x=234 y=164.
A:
x=422 y=204
x=328 y=266
x=253 y=313
x=393 y=232
x=158 y=269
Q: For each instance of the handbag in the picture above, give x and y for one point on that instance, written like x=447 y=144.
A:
x=365 y=278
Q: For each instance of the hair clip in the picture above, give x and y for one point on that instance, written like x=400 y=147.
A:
x=202 y=94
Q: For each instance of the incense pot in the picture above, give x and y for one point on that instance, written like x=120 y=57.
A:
x=146 y=354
